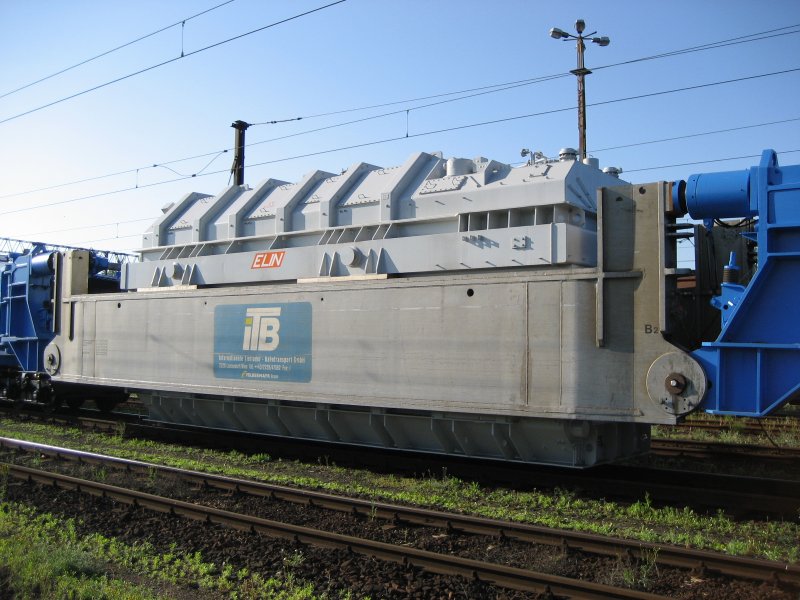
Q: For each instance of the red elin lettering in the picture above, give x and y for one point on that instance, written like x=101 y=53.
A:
x=276 y=259
x=267 y=260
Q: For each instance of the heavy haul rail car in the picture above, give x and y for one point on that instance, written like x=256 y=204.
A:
x=533 y=314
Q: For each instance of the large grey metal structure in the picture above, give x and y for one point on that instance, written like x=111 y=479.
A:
x=427 y=215
x=456 y=306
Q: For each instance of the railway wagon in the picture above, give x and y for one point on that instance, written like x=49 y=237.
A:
x=458 y=306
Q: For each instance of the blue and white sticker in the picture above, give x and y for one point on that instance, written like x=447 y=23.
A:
x=266 y=342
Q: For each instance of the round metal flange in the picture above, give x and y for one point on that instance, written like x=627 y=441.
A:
x=52 y=359
x=350 y=256
x=676 y=383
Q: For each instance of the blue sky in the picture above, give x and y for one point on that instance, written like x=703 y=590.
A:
x=364 y=53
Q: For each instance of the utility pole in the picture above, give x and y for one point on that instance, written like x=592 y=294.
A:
x=580 y=73
x=238 y=159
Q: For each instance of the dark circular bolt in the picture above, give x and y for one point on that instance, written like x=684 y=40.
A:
x=675 y=383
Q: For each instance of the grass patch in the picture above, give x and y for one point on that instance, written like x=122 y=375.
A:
x=783 y=432
x=41 y=560
x=775 y=540
x=44 y=557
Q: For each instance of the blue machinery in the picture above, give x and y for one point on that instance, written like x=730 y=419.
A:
x=753 y=365
x=26 y=309
x=28 y=299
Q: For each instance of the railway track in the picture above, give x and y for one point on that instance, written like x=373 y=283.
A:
x=496 y=574
x=736 y=494
x=519 y=579
x=765 y=426
x=703 y=449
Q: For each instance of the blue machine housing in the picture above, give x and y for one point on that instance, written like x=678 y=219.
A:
x=26 y=306
x=27 y=300
x=752 y=366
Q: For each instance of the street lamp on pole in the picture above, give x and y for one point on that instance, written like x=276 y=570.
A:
x=580 y=73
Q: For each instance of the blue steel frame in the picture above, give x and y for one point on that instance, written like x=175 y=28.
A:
x=754 y=365
x=26 y=306
x=27 y=288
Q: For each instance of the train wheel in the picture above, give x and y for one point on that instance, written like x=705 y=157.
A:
x=105 y=405
x=74 y=403
x=52 y=405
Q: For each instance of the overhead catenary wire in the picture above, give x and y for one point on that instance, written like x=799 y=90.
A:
x=216 y=154
x=755 y=37
x=480 y=91
x=600 y=103
x=704 y=161
x=372 y=143
x=182 y=22
x=343 y=148
x=697 y=134
x=168 y=61
x=758 y=36
x=420 y=134
x=742 y=39
x=85 y=227
x=125 y=172
x=488 y=89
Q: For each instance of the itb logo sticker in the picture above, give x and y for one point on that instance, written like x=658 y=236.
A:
x=267 y=342
x=261 y=326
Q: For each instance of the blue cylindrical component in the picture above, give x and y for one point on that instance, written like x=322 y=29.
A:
x=719 y=195
x=43 y=264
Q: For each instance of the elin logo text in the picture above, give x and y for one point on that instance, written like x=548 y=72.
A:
x=261 y=327
x=268 y=260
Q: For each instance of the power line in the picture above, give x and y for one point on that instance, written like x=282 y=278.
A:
x=692 y=163
x=171 y=60
x=708 y=160
x=709 y=46
x=126 y=172
x=753 y=37
x=530 y=115
x=297 y=134
x=219 y=153
x=480 y=91
x=112 y=50
x=415 y=135
x=84 y=227
x=699 y=134
x=118 y=237
x=406 y=110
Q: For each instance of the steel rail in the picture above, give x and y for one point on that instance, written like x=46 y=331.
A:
x=706 y=449
x=503 y=576
x=665 y=554
x=768 y=427
x=738 y=494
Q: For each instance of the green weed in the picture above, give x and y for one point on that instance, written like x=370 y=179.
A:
x=557 y=508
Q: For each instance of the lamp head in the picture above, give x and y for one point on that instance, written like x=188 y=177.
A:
x=580 y=25
x=601 y=41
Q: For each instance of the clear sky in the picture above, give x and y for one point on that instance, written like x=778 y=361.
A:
x=363 y=53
